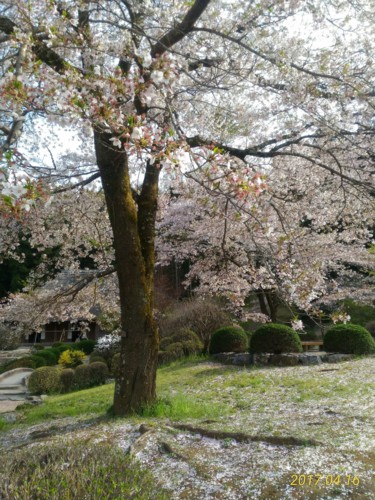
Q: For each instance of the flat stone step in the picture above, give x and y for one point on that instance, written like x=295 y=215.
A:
x=13 y=397
x=13 y=387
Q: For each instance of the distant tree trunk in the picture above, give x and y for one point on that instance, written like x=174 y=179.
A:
x=133 y=223
x=269 y=303
x=273 y=304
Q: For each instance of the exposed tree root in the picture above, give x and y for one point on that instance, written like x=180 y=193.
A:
x=241 y=437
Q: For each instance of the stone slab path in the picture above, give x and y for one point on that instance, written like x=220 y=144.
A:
x=7 y=406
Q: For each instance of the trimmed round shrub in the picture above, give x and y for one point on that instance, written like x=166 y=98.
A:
x=50 y=357
x=71 y=359
x=86 y=345
x=276 y=339
x=67 y=379
x=190 y=341
x=228 y=339
x=370 y=326
x=348 y=339
x=82 y=377
x=44 y=380
x=95 y=357
x=99 y=373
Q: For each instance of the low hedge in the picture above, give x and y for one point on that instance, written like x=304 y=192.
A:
x=86 y=345
x=229 y=339
x=50 y=357
x=349 y=339
x=275 y=338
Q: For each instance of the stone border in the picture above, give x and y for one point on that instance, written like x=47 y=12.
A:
x=265 y=359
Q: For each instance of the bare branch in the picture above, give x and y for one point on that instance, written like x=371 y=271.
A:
x=78 y=184
x=177 y=33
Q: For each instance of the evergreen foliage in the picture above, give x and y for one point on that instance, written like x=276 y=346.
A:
x=229 y=339
x=349 y=339
x=275 y=338
x=45 y=380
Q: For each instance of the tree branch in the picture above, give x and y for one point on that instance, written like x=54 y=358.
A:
x=177 y=33
x=78 y=184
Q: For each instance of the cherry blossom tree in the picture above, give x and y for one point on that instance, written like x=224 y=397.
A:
x=153 y=91
x=301 y=241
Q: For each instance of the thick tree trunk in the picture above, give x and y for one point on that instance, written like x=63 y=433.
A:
x=133 y=237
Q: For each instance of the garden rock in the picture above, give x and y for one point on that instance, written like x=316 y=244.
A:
x=310 y=359
x=260 y=358
x=241 y=359
x=337 y=358
x=284 y=360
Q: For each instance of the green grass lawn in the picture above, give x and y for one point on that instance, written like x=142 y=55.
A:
x=259 y=426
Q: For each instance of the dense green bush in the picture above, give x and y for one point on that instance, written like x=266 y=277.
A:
x=57 y=344
x=172 y=352
x=38 y=361
x=176 y=350
x=349 y=339
x=50 y=357
x=190 y=341
x=45 y=380
x=228 y=339
x=202 y=316
x=86 y=345
x=38 y=347
x=82 y=377
x=370 y=326
x=275 y=338
x=67 y=379
x=165 y=357
x=25 y=362
x=96 y=357
x=71 y=359
x=99 y=373
x=55 y=352
x=62 y=347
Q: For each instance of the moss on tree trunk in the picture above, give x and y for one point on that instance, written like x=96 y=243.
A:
x=133 y=223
